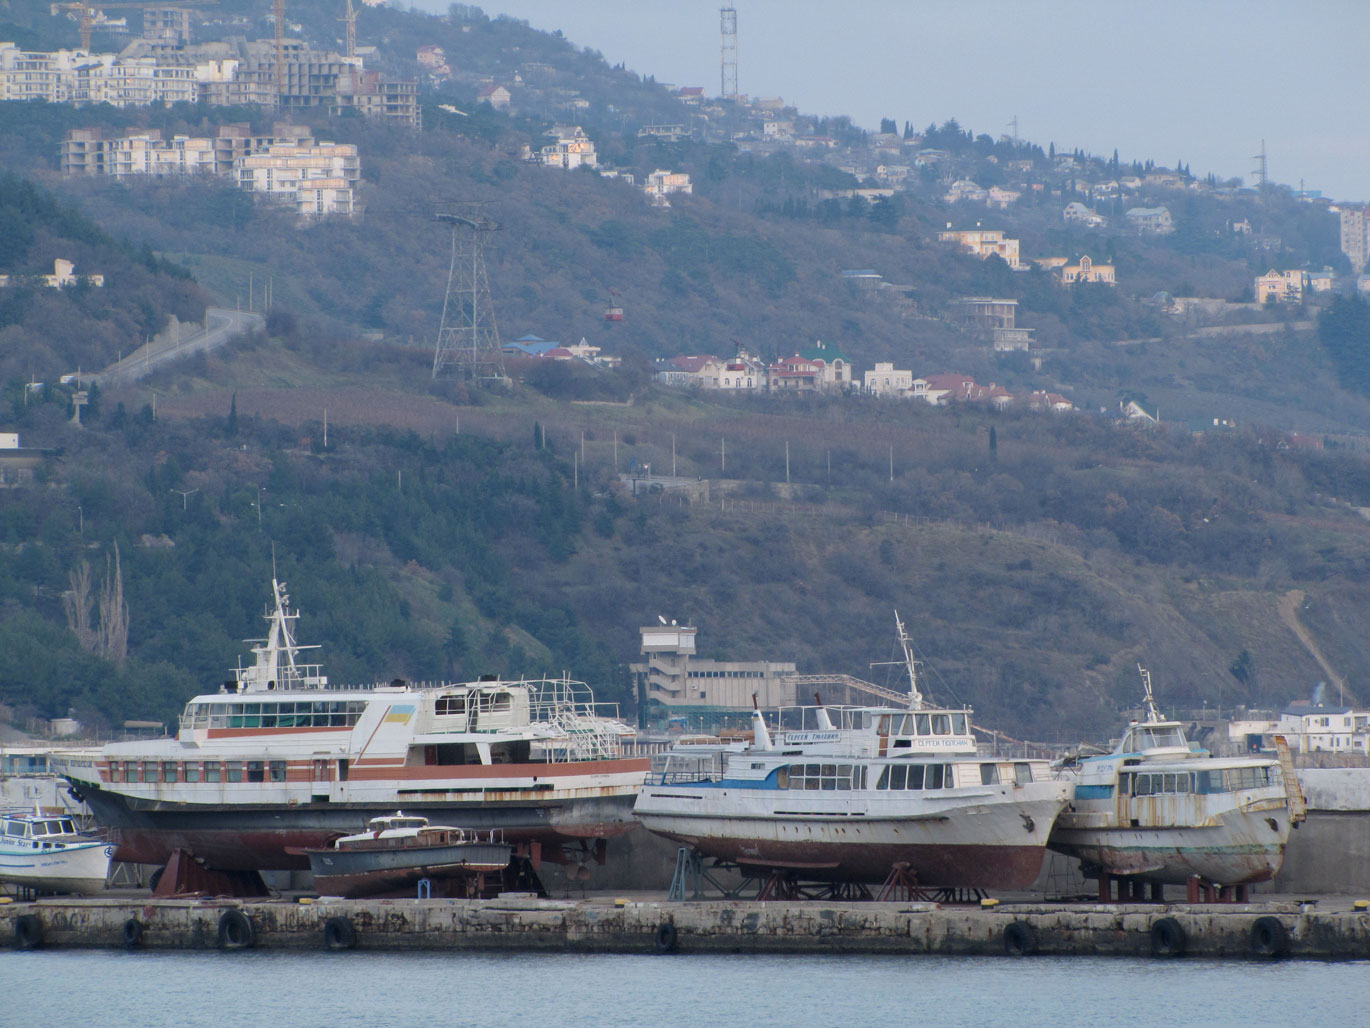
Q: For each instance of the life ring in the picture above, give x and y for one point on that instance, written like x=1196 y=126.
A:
x=1269 y=937
x=1167 y=938
x=339 y=934
x=235 y=930
x=1020 y=939
x=665 y=938
x=28 y=931
x=133 y=932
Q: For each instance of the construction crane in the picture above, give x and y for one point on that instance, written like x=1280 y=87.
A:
x=350 y=20
x=86 y=9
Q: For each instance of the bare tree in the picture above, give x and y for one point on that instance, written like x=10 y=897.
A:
x=113 y=613
x=77 y=601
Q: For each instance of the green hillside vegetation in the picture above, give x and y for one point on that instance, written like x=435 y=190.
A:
x=46 y=331
x=1034 y=574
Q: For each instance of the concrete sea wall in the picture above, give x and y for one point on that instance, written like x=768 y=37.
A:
x=1327 y=929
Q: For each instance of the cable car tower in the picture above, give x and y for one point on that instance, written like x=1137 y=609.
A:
x=467 y=334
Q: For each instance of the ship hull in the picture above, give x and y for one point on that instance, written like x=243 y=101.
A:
x=1233 y=848
x=80 y=870
x=356 y=873
x=981 y=842
x=262 y=838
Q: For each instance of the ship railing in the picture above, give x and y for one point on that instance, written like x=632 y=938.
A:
x=683 y=777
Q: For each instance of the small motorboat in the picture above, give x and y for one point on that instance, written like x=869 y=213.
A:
x=42 y=850
x=397 y=852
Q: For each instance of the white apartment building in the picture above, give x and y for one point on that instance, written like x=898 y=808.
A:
x=318 y=179
x=661 y=184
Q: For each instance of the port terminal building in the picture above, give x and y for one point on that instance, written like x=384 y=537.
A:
x=677 y=688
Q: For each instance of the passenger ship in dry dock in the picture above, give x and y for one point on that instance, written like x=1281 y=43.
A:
x=856 y=790
x=280 y=761
x=1158 y=810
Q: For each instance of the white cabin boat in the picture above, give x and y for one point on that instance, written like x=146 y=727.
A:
x=280 y=761
x=42 y=850
x=855 y=791
x=1159 y=810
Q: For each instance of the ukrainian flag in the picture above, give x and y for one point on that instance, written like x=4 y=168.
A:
x=399 y=715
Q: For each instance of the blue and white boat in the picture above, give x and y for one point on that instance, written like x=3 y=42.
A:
x=43 y=851
x=851 y=792
x=1158 y=809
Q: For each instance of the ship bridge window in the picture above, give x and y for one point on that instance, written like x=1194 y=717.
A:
x=916 y=776
x=816 y=777
x=1248 y=778
x=15 y=828
x=1156 y=783
x=941 y=724
x=446 y=705
x=924 y=724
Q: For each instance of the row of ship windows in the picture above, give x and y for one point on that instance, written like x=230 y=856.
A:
x=1229 y=779
x=922 y=724
x=172 y=771
x=313 y=714
x=845 y=777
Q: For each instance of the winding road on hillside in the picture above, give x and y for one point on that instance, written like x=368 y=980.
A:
x=221 y=325
x=1290 y=603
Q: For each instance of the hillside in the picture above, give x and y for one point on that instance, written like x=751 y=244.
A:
x=1034 y=575
x=47 y=331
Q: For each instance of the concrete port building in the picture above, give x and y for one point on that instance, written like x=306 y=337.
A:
x=674 y=682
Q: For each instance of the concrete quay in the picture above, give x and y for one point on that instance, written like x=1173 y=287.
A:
x=1329 y=928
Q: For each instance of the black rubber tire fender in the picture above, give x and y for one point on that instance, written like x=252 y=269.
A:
x=338 y=933
x=235 y=930
x=28 y=932
x=1269 y=937
x=665 y=937
x=1167 y=938
x=132 y=931
x=1020 y=939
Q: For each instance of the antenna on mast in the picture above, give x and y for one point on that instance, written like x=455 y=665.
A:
x=1152 y=714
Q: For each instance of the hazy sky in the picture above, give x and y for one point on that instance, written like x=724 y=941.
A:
x=1200 y=81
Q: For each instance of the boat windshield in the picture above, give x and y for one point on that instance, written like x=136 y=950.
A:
x=1156 y=737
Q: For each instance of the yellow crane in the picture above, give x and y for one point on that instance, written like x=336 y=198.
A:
x=87 y=9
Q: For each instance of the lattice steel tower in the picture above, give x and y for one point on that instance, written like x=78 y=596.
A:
x=727 y=18
x=468 y=337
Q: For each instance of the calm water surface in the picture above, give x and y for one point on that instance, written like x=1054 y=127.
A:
x=54 y=989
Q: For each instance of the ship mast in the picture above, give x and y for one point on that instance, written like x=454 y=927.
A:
x=915 y=697
x=276 y=666
x=1152 y=714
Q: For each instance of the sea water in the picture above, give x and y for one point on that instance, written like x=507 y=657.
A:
x=111 y=989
